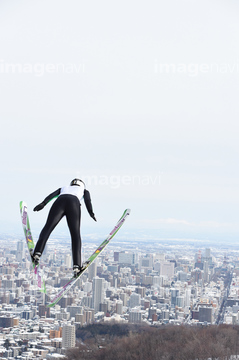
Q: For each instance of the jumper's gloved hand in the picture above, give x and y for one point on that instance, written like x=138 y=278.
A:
x=39 y=207
x=93 y=216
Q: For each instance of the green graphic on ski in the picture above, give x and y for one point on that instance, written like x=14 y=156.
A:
x=30 y=244
x=72 y=281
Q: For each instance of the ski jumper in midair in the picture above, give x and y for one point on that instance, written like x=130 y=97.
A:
x=67 y=204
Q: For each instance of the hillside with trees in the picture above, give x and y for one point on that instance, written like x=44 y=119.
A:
x=131 y=342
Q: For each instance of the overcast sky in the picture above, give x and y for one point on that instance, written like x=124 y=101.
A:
x=138 y=98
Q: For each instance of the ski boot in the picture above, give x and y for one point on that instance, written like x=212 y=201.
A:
x=77 y=270
x=36 y=258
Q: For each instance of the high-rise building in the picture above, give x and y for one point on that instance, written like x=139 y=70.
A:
x=8 y=284
x=205 y=314
x=165 y=315
x=79 y=319
x=104 y=307
x=6 y=321
x=182 y=276
x=157 y=280
x=141 y=291
x=135 y=316
x=55 y=333
x=134 y=300
x=42 y=310
x=207 y=253
x=188 y=297
x=119 y=307
x=68 y=260
x=98 y=292
x=88 y=315
x=167 y=269
x=123 y=297
x=68 y=336
x=126 y=258
x=74 y=309
x=27 y=314
x=174 y=295
x=197 y=275
x=151 y=312
x=20 y=251
x=207 y=256
x=206 y=273
x=180 y=301
x=63 y=302
x=92 y=270
x=146 y=261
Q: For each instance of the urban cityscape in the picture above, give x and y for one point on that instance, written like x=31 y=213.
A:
x=138 y=101
x=139 y=282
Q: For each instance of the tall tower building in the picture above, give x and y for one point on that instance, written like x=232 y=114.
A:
x=92 y=270
x=207 y=253
x=134 y=300
x=188 y=297
x=207 y=256
x=42 y=310
x=68 y=336
x=119 y=307
x=68 y=260
x=174 y=295
x=123 y=297
x=206 y=273
x=98 y=292
x=20 y=250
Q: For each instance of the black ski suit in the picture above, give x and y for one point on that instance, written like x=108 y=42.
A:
x=65 y=205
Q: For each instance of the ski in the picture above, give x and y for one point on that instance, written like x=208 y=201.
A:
x=30 y=244
x=90 y=260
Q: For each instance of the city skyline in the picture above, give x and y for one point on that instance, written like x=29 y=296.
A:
x=185 y=284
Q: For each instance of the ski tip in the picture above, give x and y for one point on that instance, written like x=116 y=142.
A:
x=128 y=211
